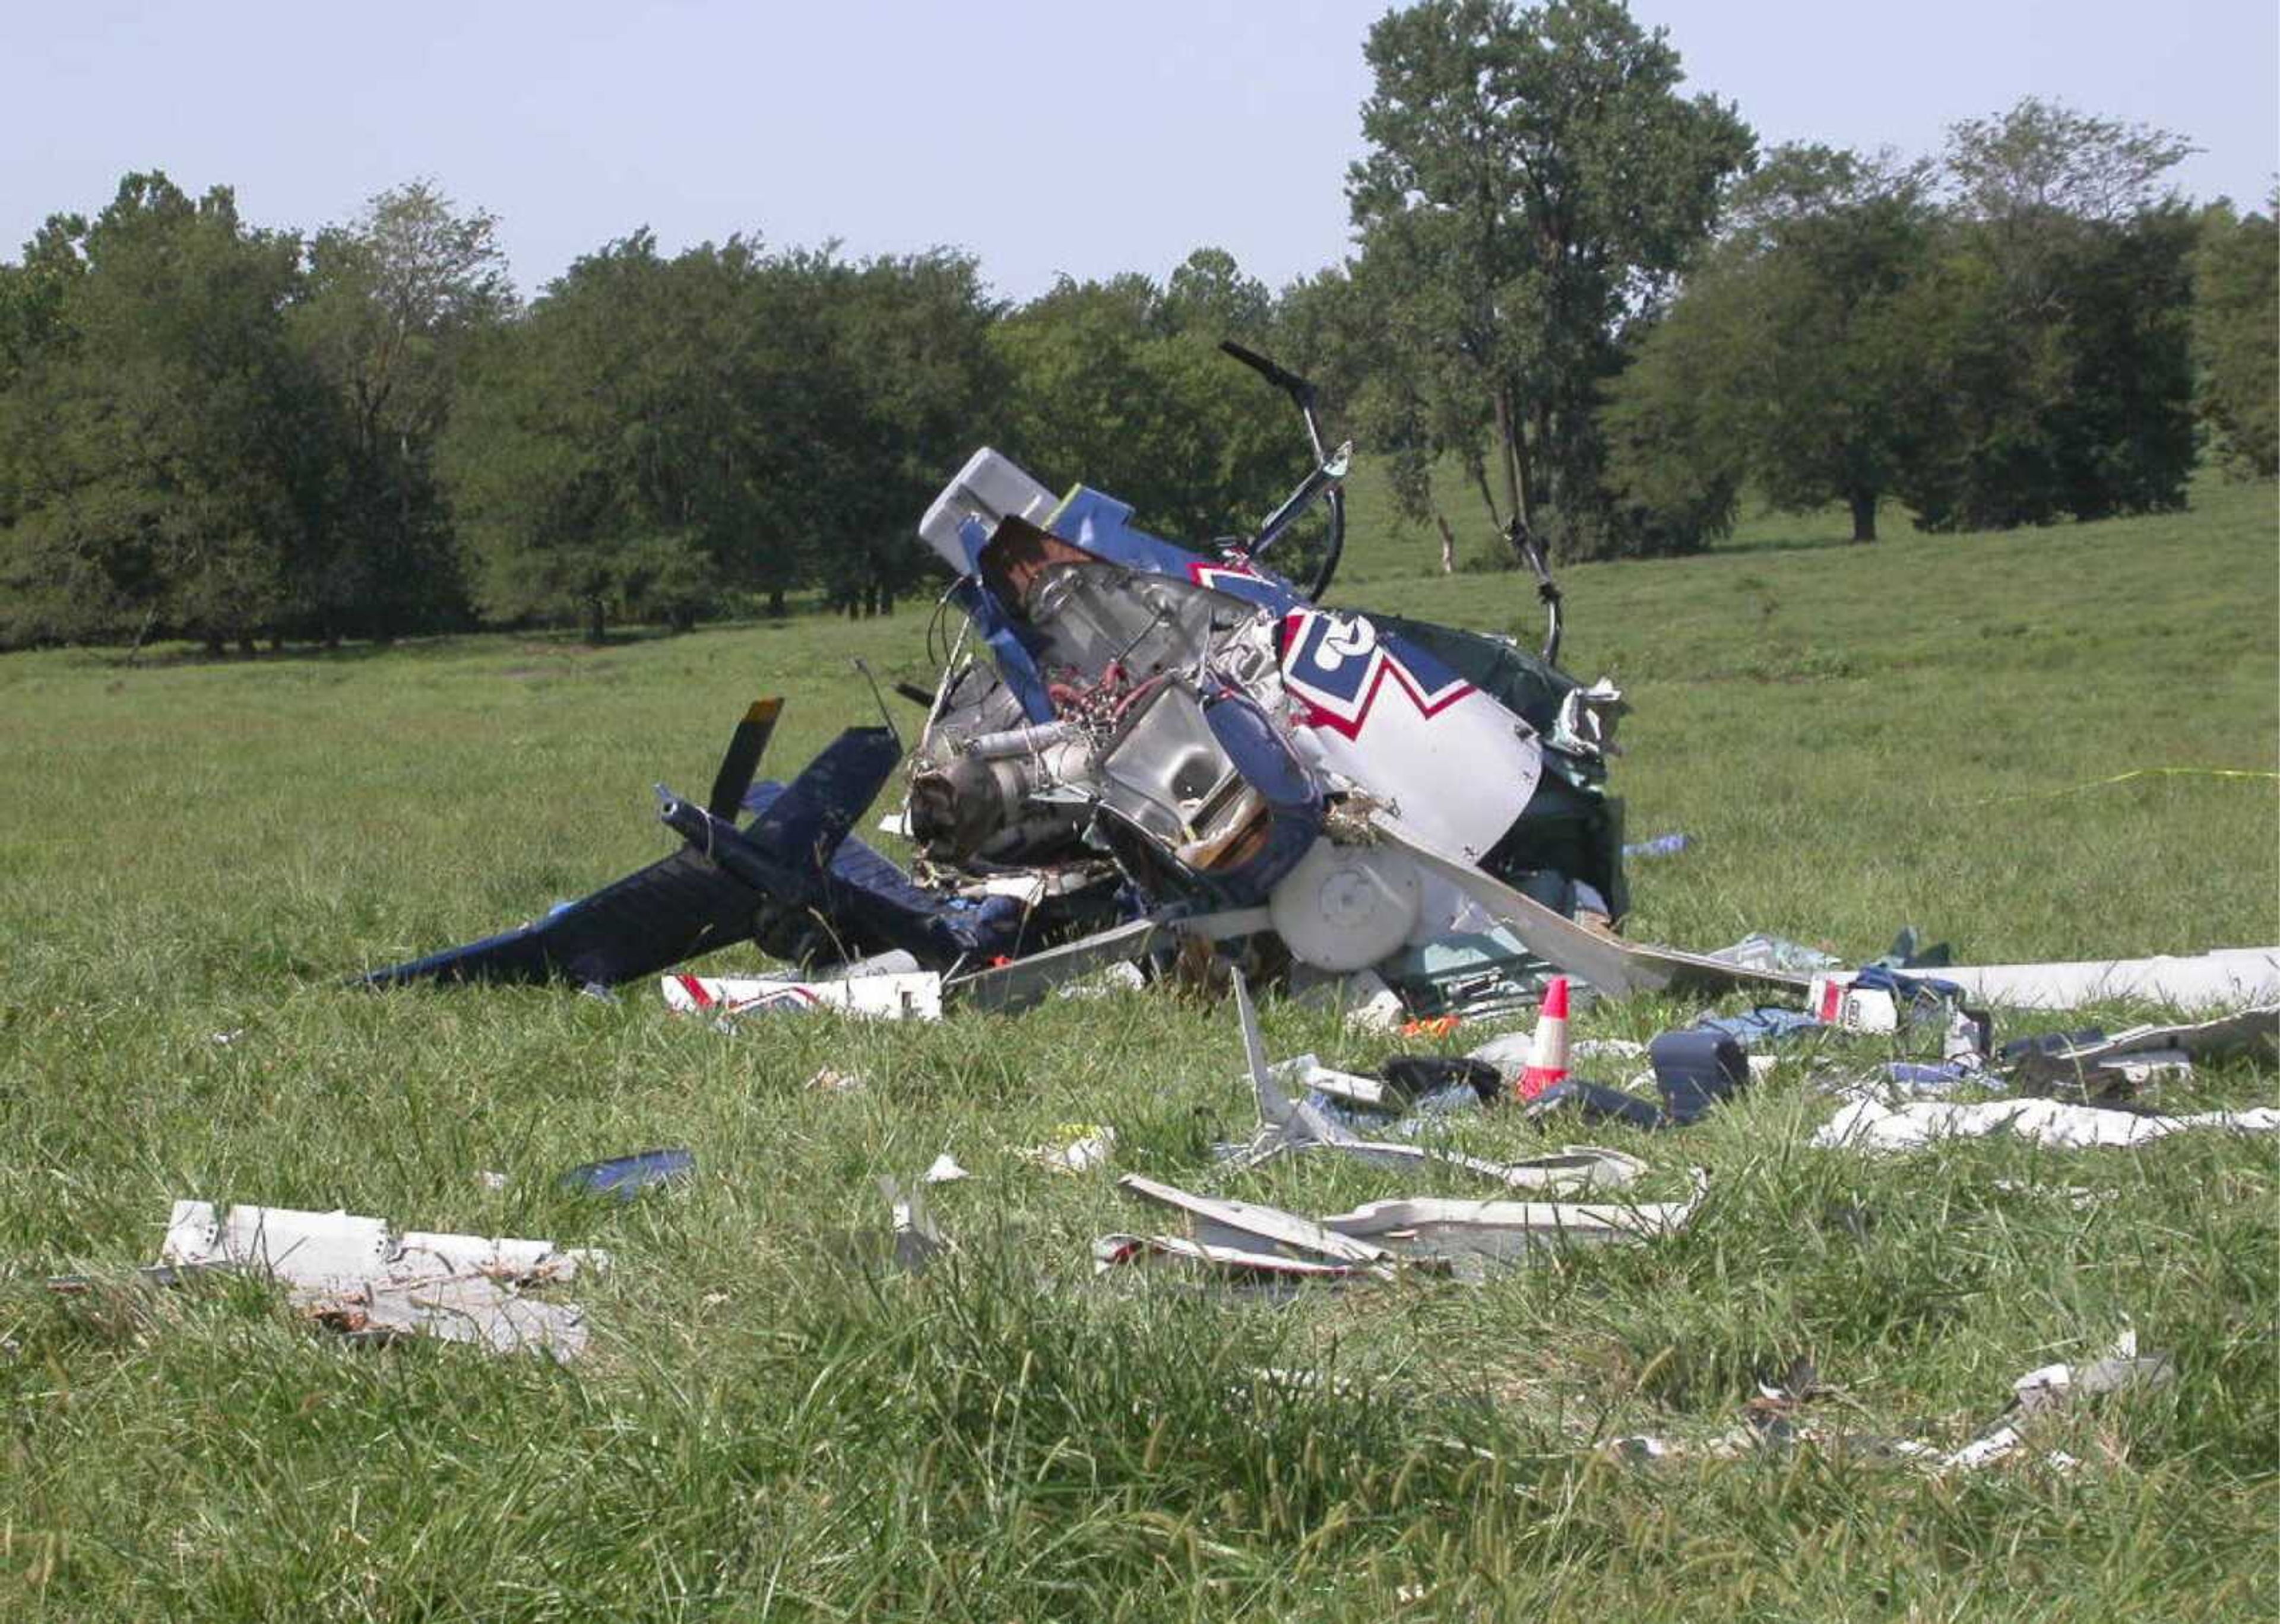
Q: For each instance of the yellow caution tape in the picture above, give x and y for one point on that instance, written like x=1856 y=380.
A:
x=2123 y=778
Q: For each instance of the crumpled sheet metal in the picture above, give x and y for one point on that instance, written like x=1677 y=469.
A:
x=2244 y=1032
x=354 y=1274
x=1374 y=1241
x=1871 y=1125
x=1504 y=1230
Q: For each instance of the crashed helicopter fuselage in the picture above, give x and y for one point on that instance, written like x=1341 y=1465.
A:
x=1131 y=736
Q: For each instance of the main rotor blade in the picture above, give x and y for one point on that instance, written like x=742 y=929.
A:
x=743 y=761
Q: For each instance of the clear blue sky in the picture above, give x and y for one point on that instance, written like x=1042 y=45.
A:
x=1047 y=137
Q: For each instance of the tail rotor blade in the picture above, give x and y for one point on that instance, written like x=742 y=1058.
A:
x=745 y=747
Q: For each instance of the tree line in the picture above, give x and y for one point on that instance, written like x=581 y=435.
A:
x=1583 y=298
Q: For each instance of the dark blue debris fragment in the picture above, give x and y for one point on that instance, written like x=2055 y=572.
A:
x=1594 y=1101
x=1695 y=1069
x=626 y=1176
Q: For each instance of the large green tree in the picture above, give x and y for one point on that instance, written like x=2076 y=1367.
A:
x=912 y=339
x=1781 y=363
x=2054 y=328
x=168 y=450
x=399 y=298
x=2236 y=335
x=1536 y=180
x=661 y=438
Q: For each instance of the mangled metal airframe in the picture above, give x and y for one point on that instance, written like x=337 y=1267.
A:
x=1133 y=743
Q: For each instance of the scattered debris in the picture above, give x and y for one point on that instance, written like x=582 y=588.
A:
x=2046 y=1389
x=917 y=1243
x=1694 y=1069
x=1759 y=951
x=1113 y=1250
x=944 y=1170
x=1766 y=1026
x=490 y=1180
x=2039 y=1392
x=354 y=1274
x=1659 y=845
x=1117 y=977
x=1871 y=1125
x=1077 y=1147
x=828 y=1079
x=1286 y=1125
x=628 y=1176
x=1502 y=1231
x=1246 y=1230
x=1594 y=1101
x=1834 y=1000
x=2138 y=1051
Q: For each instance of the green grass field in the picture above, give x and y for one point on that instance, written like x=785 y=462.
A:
x=1918 y=732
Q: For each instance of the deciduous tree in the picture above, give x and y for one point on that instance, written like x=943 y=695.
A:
x=1535 y=180
x=2236 y=335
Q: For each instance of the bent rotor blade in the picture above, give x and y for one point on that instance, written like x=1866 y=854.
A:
x=1615 y=969
x=806 y=824
x=746 y=745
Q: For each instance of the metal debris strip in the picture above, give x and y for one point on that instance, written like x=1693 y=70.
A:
x=1503 y=1230
x=1462 y=1238
x=2244 y=1032
x=1289 y=1126
x=1868 y=1125
x=1244 y=1264
x=355 y=1274
x=1249 y=1228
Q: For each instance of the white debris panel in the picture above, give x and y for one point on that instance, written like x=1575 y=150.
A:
x=356 y=1275
x=1871 y=1125
x=2227 y=978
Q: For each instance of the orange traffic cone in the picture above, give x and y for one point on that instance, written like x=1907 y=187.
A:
x=1548 y=1064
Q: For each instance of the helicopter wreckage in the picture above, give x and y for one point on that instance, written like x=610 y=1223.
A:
x=1134 y=747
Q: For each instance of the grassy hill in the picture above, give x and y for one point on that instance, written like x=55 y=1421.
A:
x=2005 y=739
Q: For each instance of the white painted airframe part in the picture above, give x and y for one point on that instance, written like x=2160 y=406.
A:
x=1500 y=1228
x=350 y=1271
x=914 y=995
x=987 y=488
x=1870 y=1125
x=328 y=1249
x=1460 y=766
x=1250 y=1220
x=2226 y=978
x=1112 y=1249
x=1343 y=908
